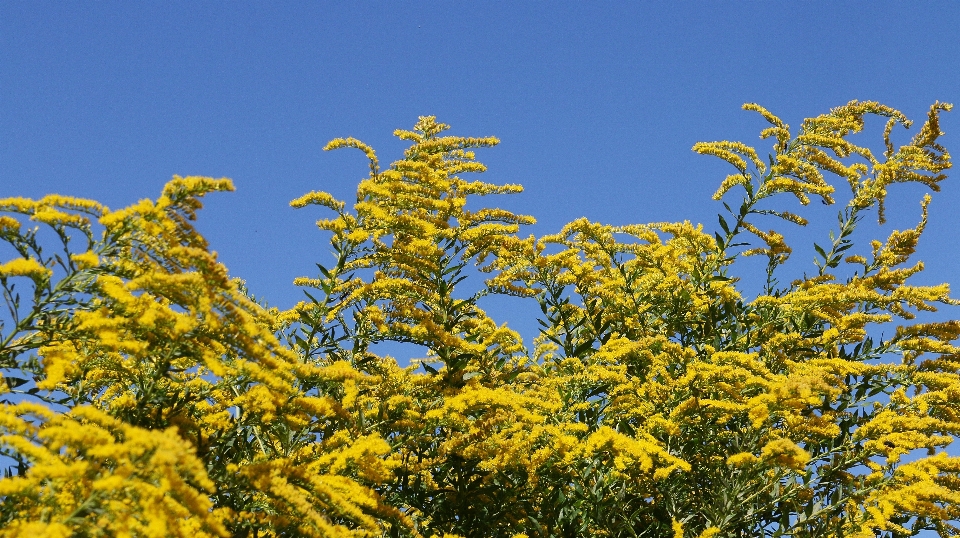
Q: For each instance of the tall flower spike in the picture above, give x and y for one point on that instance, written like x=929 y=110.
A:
x=351 y=142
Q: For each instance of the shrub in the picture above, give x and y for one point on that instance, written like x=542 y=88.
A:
x=148 y=393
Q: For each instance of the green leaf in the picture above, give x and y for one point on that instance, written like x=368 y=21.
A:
x=723 y=224
x=820 y=251
x=583 y=348
x=14 y=382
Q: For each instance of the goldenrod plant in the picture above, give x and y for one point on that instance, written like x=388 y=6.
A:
x=147 y=393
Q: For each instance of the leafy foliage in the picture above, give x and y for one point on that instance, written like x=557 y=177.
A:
x=147 y=393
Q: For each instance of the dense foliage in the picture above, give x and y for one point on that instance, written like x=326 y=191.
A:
x=147 y=393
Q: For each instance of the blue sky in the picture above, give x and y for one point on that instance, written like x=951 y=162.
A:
x=596 y=105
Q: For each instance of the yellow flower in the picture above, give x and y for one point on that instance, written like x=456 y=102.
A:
x=86 y=260
x=741 y=459
x=28 y=267
x=785 y=453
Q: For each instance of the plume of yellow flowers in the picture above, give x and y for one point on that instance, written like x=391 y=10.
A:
x=147 y=363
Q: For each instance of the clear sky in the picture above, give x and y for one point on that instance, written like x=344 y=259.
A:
x=596 y=104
